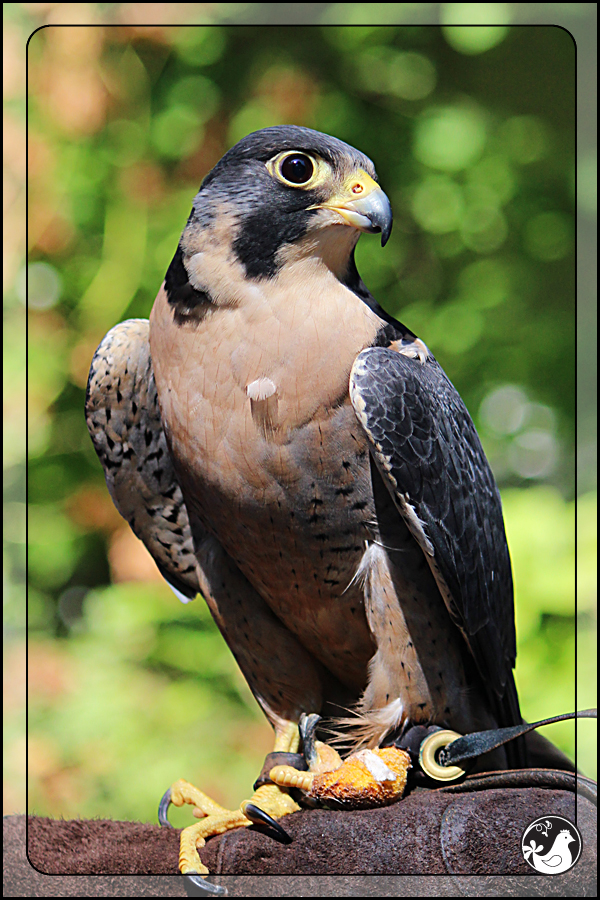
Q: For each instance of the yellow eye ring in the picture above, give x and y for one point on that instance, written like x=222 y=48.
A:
x=298 y=169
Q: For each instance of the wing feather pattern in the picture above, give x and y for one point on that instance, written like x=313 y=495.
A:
x=429 y=454
x=123 y=418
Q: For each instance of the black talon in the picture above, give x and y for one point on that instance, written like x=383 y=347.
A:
x=260 y=817
x=308 y=727
x=197 y=886
x=163 y=809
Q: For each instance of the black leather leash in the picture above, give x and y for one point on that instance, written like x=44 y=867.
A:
x=440 y=751
x=480 y=742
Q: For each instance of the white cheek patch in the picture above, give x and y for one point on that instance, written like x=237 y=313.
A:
x=194 y=265
x=211 y=262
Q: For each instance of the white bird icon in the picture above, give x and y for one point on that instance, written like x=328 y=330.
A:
x=557 y=860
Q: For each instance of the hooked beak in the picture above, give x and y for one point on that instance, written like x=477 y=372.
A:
x=362 y=204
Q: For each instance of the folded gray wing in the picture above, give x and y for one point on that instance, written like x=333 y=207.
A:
x=123 y=418
x=429 y=454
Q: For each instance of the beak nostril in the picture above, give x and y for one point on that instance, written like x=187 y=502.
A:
x=357 y=188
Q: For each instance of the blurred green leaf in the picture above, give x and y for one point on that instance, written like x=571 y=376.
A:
x=177 y=131
x=200 y=46
x=118 y=277
x=52 y=546
x=541 y=537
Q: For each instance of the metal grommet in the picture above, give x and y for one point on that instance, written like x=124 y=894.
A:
x=428 y=751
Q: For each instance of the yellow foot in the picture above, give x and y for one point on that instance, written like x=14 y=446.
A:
x=364 y=780
x=368 y=778
x=269 y=799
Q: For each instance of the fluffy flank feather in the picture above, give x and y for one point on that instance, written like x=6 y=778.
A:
x=362 y=570
x=366 y=728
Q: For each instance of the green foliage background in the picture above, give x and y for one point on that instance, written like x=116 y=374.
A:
x=472 y=133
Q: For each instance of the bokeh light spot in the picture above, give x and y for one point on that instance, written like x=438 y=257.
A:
x=197 y=93
x=473 y=28
x=474 y=39
x=177 y=131
x=44 y=288
x=410 y=76
x=475 y=14
x=494 y=177
x=504 y=409
x=251 y=117
x=548 y=236
x=484 y=283
x=448 y=245
x=483 y=228
x=200 y=46
x=438 y=204
x=456 y=328
x=51 y=545
x=449 y=138
x=524 y=138
x=533 y=454
x=540 y=417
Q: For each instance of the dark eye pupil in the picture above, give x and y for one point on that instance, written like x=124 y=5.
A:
x=297 y=169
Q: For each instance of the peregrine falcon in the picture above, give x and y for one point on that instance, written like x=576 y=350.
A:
x=290 y=451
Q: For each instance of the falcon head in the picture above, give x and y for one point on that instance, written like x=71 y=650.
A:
x=288 y=190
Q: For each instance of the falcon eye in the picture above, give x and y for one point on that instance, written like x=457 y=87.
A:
x=297 y=169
